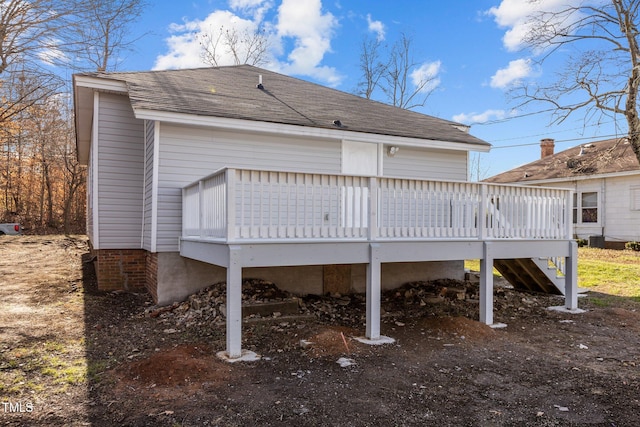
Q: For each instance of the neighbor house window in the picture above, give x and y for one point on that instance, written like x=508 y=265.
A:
x=585 y=207
x=635 y=198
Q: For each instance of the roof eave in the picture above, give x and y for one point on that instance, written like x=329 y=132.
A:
x=84 y=88
x=577 y=178
x=305 y=131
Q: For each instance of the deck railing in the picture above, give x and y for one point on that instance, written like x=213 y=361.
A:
x=242 y=204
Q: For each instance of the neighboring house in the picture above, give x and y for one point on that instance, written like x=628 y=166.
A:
x=605 y=178
x=205 y=175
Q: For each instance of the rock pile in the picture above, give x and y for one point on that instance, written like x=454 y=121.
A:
x=264 y=300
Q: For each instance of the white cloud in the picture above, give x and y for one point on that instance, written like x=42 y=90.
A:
x=427 y=76
x=300 y=23
x=312 y=31
x=515 y=16
x=470 y=118
x=258 y=8
x=185 y=50
x=515 y=72
x=376 y=27
x=246 y=4
x=49 y=52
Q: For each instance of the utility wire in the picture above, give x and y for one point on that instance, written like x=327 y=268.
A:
x=506 y=119
x=557 y=141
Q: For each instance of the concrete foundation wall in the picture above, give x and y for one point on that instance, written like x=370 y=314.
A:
x=179 y=277
x=395 y=275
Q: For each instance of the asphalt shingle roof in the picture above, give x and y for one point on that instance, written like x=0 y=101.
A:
x=597 y=158
x=231 y=92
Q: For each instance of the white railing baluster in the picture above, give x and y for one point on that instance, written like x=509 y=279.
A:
x=236 y=204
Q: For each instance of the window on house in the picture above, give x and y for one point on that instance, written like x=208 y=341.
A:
x=585 y=207
x=589 y=207
x=635 y=198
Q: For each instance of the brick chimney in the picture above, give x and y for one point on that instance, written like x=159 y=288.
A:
x=547 y=147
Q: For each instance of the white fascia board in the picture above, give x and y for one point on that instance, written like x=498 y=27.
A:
x=105 y=85
x=577 y=178
x=84 y=89
x=303 y=131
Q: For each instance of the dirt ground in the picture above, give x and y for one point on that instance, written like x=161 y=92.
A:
x=73 y=356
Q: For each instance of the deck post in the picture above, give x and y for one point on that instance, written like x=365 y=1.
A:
x=373 y=208
x=373 y=293
x=482 y=213
x=372 y=332
x=486 y=285
x=234 y=304
x=571 y=277
x=230 y=203
x=201 y=208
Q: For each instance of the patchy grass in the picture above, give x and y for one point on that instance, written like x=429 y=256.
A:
x=611 y=272
x=27 y=368
x=474 y=265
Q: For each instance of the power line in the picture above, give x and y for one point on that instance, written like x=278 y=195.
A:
x=506 y=119
x=553 y=132
x=558 y=141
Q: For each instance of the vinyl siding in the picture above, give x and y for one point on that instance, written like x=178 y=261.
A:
x=419 y=163
x=622 y=222
x=616 y=218
x=120 y=174
x=148 y=184
x=187 y=154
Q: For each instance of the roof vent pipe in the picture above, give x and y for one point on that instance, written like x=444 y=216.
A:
x=259 y=85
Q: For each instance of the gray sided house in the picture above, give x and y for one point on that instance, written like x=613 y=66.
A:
x=605 y=179
x=214 y=174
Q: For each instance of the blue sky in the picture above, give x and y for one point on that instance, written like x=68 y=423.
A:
x=472 y=49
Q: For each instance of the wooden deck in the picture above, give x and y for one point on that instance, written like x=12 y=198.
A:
x=239 y=218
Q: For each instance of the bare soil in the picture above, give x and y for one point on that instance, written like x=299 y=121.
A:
x=73 y=356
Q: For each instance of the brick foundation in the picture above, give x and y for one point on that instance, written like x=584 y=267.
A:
x=152 y=275
x=121 y=269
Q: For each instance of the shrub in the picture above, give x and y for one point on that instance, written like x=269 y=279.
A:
x=635 y=246
x=582 y=242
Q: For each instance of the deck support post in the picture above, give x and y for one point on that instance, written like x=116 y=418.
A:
x=486 y=285
x=234 y=304
x=374 y=276
x=571 y=277
x=373 y=293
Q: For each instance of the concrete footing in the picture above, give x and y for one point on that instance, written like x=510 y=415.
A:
x=563 y=309
x=377 y=341
x=246 y=356
x=498 y=325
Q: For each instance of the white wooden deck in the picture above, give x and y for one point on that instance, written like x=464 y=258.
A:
x=239 y=218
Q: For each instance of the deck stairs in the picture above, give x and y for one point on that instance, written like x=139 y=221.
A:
x=532 y=274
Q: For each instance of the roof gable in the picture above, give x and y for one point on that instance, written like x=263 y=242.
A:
x=611 y=156
x=232 y=92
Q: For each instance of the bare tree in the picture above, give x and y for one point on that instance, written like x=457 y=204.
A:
x=397 y=77
x=478 y=170
x=61 y=32
x=371 y=66
x=236 y=46
x=103 y=36
x=601 y=76
x=31 y=30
